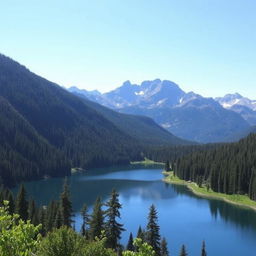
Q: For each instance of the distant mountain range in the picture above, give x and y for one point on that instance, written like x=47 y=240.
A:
x=241 y=105
x=186 y=115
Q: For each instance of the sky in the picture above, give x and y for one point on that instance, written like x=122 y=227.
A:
x=206 y=46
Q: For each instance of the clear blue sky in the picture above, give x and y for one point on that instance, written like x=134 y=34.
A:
x=208 y=46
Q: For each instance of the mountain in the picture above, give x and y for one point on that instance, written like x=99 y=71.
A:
x=143 y=128
x=241 y=105
x=186 y=115
x=45 y=129
x=24 y=154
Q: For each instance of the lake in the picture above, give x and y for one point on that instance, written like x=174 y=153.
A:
x=183 y=217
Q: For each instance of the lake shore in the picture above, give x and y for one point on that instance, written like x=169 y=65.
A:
x=239 y=200
x=147 y=161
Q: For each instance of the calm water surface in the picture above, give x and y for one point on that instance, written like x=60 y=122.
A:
x=183 y=217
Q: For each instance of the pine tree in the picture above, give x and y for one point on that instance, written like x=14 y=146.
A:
x=113 y=228
x=164 y=248
x=32 y=211
x=21 y=205
x=66 y=206
x=86 y=221
x=10 y=199
x=152 y=233
x=141 y=234
x=51 y=216
x=41 y=220
x=183 y=251
x=58 y=221
x=96 y=220
x=130 y=246
x=204 y=253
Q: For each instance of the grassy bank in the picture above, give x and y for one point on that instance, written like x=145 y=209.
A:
x=147 y=161
x=241 y=200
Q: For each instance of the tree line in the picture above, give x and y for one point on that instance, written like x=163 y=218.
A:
x=229 y=168
x=99 y=229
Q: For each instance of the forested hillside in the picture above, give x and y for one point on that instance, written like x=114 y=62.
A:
x=229 y=169
x=45 y=129
x=143 y=128
x=23 y=153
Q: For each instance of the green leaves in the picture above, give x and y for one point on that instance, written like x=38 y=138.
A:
x=17 y=238
x=144 y=249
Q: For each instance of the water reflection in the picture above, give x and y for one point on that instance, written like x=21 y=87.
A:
x=183 y=217
x=240 y=216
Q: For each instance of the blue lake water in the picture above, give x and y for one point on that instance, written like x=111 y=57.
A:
x=183 y=217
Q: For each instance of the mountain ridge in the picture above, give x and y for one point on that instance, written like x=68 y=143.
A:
x=169 y=106
x=62 y=128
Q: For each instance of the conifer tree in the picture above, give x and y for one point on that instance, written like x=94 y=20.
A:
x=141 y=234
x=130 y=246
x=51 y=216
x=152 y=232
x=204 y=253
x=32 y=211
x=164 y=248
x=58 y=221
x=10 y=199
x=113 y=228
x=21 y=205
x=66 y=206
x=96 y=220
x=183 y=251
x=86 y=220
x=41 y=220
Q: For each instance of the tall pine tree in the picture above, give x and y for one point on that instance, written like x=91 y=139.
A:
x=152 y=232
x=113 y=228
x=97 y=220
x=66 y=206
x=130 y=246
x=164 y=248
x=86 y=220
x=21 y=205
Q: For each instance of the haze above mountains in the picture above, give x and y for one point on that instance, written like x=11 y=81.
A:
x=186 y=115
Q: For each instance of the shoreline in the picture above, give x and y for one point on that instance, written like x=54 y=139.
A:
x=238 y=200
x=147 y=161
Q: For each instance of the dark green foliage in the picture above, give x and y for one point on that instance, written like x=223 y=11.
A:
x=97 y=220
x=21 y=205
x=167 y=166
x=61 y=242
x=141 y=234
x=53 y=129
x=53 y=216
x=45 y=130
x=58 y=221
x=203 y=253
x=65 y=206
x=152 y=233
x=229 y=168
x=164 y=248
x=130 y=246
x=112 y=227
x=86 y=220
x=24 y=154
x=10 y=199
x=183 y=251
x=142 y=128
x=32 y=214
